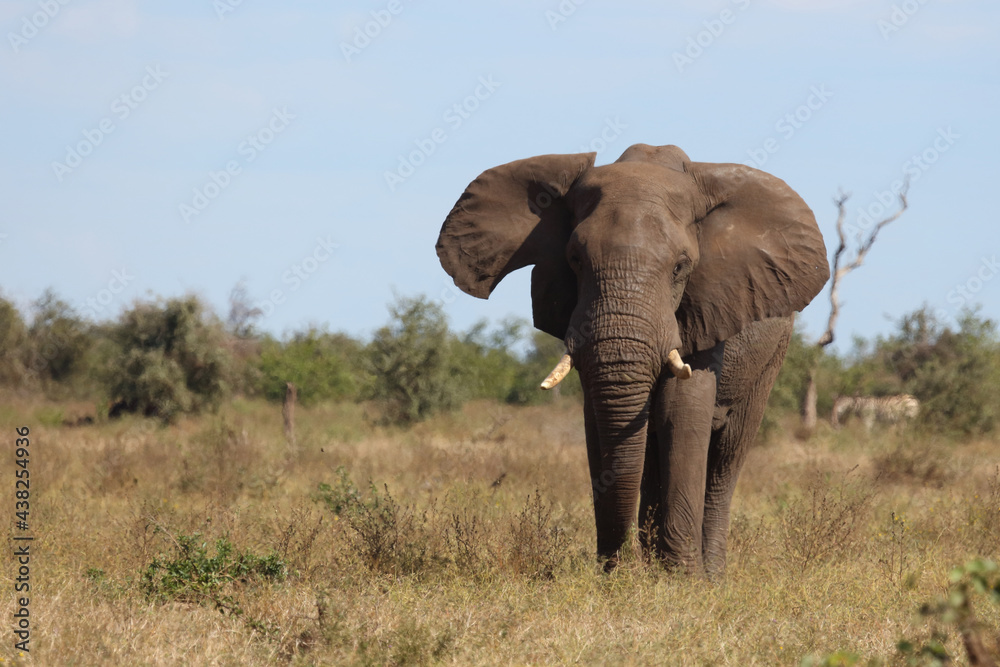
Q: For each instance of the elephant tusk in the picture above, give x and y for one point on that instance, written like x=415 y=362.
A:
x=677 y=366
x=559 y=372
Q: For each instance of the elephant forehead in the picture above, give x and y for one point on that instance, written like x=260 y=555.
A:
x=638 y=178
x=626 y=192
x=634 y=230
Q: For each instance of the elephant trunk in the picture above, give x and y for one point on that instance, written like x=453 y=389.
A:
x=620 y=339
x=618 y=397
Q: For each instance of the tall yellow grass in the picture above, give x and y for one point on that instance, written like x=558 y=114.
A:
x=835 y=543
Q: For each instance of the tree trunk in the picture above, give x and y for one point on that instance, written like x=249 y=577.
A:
x=288 y=414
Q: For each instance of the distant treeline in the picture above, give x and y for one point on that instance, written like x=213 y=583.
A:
x=165 y=357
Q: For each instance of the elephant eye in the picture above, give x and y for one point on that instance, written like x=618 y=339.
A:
x=573 y=255
x=682 y=267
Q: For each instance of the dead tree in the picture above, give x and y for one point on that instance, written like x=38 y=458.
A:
x=838 y=273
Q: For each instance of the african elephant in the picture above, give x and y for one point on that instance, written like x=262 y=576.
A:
x=639 y=264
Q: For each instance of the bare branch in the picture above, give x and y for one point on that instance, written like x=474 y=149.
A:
x=840 y=271
x=840 y=200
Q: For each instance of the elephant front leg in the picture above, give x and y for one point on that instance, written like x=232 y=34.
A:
x=651 y=514
x=683 y=426
x=752 y=361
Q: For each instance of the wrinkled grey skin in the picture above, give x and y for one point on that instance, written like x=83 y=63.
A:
x=632 y=260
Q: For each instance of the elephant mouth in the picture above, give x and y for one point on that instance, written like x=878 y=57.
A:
x=674 y=363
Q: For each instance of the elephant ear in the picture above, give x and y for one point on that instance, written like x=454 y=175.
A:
x=513 y=216
x=761 y=254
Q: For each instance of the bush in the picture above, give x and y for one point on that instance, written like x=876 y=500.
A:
x=189 y=574
x=60 y=340
x=418 y=367
x=13 y=345
x=826 y=522
x=401 y=539
x=415 y=369
x=790 y=386
x=957 y=384
x=170 y=359
x=391 y=538
x=976 y=582
x=497 y=370
x=321 y=365
x=954 y=374
x=489 y=360
x=543 y=356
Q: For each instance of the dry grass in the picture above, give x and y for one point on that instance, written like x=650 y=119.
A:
x=472 y=546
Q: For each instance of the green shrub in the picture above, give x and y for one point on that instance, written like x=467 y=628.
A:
x=497 y=369
x=170 y=359
x=790 y=386
x=786 y=398
x=958 y=384
x=413 y=362
x=321 y=365
x=542 y=357
x=836 y=659
x=488 y=359
x=391 y=538
x=60 y=340
x=189 y=574
x=13 y=345
x=953 y=373
x=978 y=581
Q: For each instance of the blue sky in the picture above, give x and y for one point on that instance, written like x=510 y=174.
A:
x=165 y=148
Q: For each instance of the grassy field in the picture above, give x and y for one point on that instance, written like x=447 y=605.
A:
x=210 y=542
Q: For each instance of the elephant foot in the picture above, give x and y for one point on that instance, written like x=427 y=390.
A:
x=715 y=568
x=611 y=564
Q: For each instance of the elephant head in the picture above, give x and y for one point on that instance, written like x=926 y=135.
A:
x=637 y=265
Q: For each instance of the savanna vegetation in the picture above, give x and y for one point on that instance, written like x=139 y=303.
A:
x=436 y=507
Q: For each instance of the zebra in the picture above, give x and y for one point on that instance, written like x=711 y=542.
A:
x=871 y=409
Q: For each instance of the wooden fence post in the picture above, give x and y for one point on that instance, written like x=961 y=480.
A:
x=288 y=413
